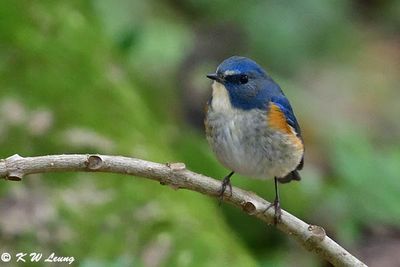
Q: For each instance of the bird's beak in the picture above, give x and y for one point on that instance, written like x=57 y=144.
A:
x=214 y=76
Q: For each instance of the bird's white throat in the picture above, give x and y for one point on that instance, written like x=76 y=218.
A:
x=220 y=98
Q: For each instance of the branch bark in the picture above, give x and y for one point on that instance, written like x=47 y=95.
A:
x=311 y=237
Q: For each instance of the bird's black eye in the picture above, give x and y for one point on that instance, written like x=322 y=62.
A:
x=244 y=79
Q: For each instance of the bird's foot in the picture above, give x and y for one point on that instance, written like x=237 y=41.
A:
x=225 y=183
x=278 y=211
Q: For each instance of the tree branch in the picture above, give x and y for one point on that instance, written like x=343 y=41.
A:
x=312 y=237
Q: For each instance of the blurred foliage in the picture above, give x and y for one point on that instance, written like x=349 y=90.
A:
x=126 y=77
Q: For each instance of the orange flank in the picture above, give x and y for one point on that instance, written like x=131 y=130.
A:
x=277 y=120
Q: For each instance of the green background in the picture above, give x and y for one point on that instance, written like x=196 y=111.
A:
x=128 y=78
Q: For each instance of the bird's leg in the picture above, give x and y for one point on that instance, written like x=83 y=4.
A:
x=225 y=182
x=276 y=204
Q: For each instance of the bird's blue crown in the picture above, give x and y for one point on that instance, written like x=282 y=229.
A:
x=241 y=65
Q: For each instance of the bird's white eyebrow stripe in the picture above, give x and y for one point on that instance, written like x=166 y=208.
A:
x=231 y=72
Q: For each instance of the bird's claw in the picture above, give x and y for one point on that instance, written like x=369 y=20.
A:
x=225 y=183
x=278 y=211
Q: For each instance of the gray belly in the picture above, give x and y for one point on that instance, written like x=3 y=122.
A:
x=243 y=143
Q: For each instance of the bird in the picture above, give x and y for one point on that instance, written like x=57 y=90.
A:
x=251 y=127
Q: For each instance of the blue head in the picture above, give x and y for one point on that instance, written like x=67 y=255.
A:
x=248 y=85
